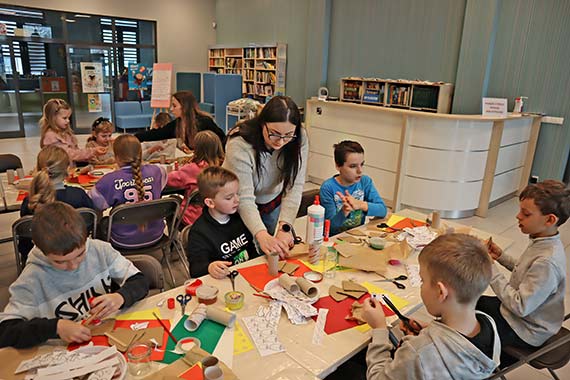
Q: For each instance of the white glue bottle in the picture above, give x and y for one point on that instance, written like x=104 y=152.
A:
x=315 y=226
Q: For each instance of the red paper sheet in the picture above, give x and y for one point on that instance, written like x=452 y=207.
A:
x=157 y=355
x=258 y=275
x=81 y=179
x=194 y=373
x=339 y=310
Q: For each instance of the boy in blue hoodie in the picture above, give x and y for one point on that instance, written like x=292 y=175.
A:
x=350 y=196
x=67 y=277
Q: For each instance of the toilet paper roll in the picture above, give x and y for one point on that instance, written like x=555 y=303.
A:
x=221 y=316
x=195 y=318
x=435 y=220
x=288 y=283
x=273 y=263
x=307 y=287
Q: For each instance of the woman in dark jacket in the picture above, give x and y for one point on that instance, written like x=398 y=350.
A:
x=189 y=120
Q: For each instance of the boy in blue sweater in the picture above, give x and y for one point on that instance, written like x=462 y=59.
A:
x=350 y=196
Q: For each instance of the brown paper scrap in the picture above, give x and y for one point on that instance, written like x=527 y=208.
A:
x=288 y=268
x=335 y=295
x=353 y=286
x=350 y=239
x=352 y=294
x=106 y=325
x=356 y=232
x=356 y=310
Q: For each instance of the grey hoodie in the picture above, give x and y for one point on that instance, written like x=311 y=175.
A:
x=438 y=352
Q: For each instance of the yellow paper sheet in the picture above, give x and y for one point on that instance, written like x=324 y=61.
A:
x=242 y=343
x=399 y=302
x=394 y=219
x=138 y=315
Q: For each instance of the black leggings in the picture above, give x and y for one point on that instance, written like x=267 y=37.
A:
x=491 y=306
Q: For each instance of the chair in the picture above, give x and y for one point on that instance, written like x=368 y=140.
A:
x=152 y=270
x=193 y=198
x=21 y=228
x=9 y=161
x=553 y=354
x=307 y=199
x=143 y=212
x=183 y=239
x=91 y=219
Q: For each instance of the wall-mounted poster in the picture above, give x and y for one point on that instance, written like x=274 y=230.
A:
x=94 y=103
x=138 y=75
x=92 y=77
x=161 y=85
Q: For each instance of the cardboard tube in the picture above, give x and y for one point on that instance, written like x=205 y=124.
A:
x=435 y=220
x=195 y=318
x=288 y=283
x=273 y=263
x=221 y=316
x=307 y=287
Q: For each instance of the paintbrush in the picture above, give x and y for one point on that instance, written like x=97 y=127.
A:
x=165 y=328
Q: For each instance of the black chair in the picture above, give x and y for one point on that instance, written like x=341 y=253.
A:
x=152 y=270
x=144 y=212
x=9 y=161
x=553 y=354
x=22 y=229
x=307 y=199
x=193 y=199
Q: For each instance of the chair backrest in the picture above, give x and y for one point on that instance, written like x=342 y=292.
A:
x=91 y=219
x=193 y=199
x=151 y=269
x=144 y=212
x=9 y=161
x=21 y=228
x=184 y=235
x=128 y=108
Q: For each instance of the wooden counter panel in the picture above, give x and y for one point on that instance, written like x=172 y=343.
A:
x=450 y=134
x=511 y=157
x=444 y=165
x=505 y=184
x=434 y=195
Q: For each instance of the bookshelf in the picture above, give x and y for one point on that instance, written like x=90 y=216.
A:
x=262 y=67
x=406 y=94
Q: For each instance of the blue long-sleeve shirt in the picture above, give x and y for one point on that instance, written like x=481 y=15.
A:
x=363 y=190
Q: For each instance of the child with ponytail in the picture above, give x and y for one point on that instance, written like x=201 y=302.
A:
x=55 y=130
x=47 y=186
x=132 y=182
x=208 y=151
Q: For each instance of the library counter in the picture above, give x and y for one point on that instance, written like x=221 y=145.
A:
x=458 y=164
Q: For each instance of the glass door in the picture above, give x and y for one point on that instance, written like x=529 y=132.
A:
x=90 y=73
x=11 y=121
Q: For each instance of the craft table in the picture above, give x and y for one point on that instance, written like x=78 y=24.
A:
x=302 y=359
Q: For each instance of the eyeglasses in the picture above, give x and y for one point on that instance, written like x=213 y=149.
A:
x=275 y=137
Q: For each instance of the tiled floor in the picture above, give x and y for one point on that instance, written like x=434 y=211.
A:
x=501 y=221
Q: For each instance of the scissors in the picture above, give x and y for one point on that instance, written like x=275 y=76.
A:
x=183 y=299
x=232 y=275
x=405 y=320
x=394 y=280
x=296 y=239
x=385 y=226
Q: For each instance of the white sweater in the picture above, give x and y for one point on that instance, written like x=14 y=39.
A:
x=254 y=188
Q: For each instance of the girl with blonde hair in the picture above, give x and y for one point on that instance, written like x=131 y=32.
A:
x=56 y=130
x=47 y=186
x=132 y=182
x=208 y=151
x=101 y=136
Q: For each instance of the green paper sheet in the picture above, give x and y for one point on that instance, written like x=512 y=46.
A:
x=209 y=334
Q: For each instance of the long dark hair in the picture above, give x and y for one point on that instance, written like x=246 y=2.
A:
x=190 y=110
x=278 y=109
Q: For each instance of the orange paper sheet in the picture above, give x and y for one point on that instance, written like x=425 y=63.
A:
x=258 y=275
x=194 y=373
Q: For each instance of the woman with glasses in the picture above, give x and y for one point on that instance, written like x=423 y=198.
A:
x=269 y=155
x=189 y=120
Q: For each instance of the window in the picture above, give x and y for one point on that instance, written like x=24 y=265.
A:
x=10 y=31
x=127 y=33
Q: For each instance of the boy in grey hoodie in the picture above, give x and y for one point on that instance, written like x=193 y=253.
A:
x=67 y=277
x=529 y=307
x=461 y=344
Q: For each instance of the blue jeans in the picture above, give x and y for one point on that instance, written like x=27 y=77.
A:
x=270 y=220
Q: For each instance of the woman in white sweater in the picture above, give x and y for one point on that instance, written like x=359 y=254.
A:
x=269 y=155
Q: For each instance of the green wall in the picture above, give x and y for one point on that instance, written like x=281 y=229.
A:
x=501 y=48
x=395 y=39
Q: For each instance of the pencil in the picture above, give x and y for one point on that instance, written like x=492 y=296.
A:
x=165 y=328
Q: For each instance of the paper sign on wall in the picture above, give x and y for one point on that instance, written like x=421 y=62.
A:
x=161 y=85
x=495 y=107
x=94 y=103
x=92 y=77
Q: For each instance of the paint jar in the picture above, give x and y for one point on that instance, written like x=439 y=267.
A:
x=138 y=358
x=207 y=294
